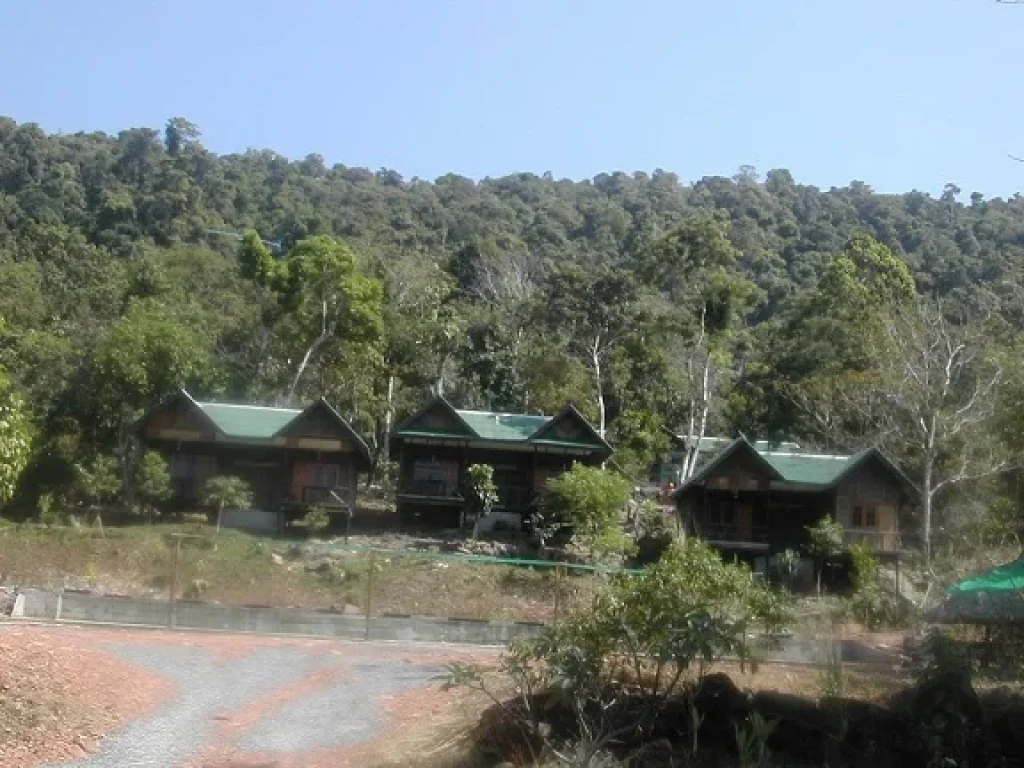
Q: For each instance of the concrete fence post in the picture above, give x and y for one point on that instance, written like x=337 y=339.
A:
x=369 y=592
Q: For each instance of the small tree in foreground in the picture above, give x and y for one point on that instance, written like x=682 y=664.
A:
x=226 y=492
x=826 y=541
x=98 y=482
x=644 y=639
x=152 y=481
x=481 y=492
x=592 y=501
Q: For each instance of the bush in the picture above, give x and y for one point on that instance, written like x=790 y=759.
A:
x=615 y=664
x=317 y=520
x=592 y=501
x=873 y=603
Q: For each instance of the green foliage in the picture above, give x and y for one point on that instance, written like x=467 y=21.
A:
x=825 y=540
x=639 y=440
x=227 y=492
x=99 y=480
x=592 y=500
x=752 y=741
x=15 y=439
x=727 y=304
x=481 y=492
x=643 y=635
x=317 y=520
x=50 y=510
x=152 y=480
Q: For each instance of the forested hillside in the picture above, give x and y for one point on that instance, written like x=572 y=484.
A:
x=751 y=303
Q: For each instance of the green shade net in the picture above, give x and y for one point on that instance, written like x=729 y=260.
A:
x=992 y=597
x=1009 y=577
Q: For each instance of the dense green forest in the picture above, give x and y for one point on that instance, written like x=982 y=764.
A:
x=750 y=304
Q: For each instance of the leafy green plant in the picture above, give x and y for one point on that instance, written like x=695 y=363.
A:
x=481 y=492
x=317 y=520
x=226 y=492
x=785 y=566
x=16 y=437
x=825 y=542
x=50 y=510
x=752 y=740
x=152 y=481
x=614 y=664
x=592 y=500
x=831 y=677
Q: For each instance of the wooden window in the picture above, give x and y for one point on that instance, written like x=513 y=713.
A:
x=857 y=517
x=870 y=517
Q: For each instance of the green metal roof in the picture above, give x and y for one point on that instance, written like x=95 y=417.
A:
x=248 y=421
x=808 y=469
x=512 y=427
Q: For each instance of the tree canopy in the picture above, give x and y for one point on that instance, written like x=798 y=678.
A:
x=135 y=263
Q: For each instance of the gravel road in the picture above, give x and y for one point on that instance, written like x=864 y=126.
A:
x=261 y=705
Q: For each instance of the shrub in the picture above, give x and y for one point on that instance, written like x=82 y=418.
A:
x=873 y=603
x=826 y=541
x=317 y=520
x=614 y=664
x=592 y=501
x=481 y=492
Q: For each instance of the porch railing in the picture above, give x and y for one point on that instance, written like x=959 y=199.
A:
x=880 y=541
x=322 y=496
x=733 y=533
x=433 y=488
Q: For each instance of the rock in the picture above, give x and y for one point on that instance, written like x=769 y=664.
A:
x=323 y=565
x=276 y=559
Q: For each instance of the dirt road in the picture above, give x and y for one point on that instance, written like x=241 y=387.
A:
x=201 y=701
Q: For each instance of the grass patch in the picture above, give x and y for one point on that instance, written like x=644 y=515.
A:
x=241 y=569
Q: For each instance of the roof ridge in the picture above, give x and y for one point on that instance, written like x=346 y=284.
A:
x=244 y=405
x=835 y=456
x=502 y=413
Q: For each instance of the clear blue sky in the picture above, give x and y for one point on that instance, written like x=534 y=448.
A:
x=900 y=94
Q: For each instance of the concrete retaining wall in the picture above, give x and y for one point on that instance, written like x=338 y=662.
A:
x=86 y=607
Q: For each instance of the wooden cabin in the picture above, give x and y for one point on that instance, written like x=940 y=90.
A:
x=436 y=446
x=292 y=459
x=758 y=499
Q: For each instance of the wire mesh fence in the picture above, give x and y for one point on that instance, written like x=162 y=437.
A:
x=357 y=580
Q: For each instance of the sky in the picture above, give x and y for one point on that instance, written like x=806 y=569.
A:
x=900 y=94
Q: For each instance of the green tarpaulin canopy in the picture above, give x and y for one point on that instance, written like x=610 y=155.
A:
x=1005 y=577
x=994 y=596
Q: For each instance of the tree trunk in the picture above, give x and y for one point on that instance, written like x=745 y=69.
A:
x=385 y=448
x=595 y=357
x=926 y=509
x=326 y=331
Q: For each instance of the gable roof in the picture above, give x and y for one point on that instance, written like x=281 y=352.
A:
x=361 y=448
x=410 y=428
x=248 y=422
x=542 y=435
x=739 y=445
x=499 y=427
x=492 y=425
x=256 y=422
x=819 y=471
